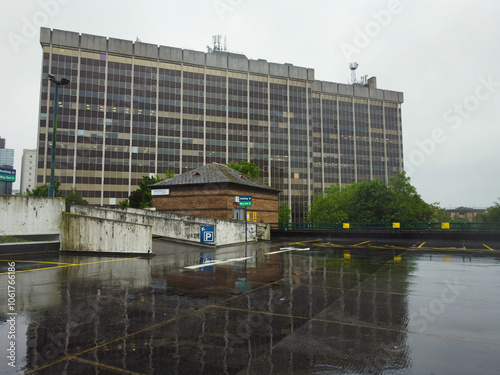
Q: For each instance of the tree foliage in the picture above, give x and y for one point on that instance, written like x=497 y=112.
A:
x=373 y=201
x=141 y=198
x=246 y=168
x=284 y=213
x=74 y=198
x=492 y=215
x=43 y=190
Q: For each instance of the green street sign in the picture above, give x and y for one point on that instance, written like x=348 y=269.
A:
x=245 y=201
x=8 y=175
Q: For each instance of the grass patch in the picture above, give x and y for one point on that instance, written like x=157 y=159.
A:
x=11 y=239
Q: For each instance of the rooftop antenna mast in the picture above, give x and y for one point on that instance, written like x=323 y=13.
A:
x=353 y=66
x=218 y=45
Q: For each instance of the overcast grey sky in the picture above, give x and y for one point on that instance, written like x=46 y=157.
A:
x=443 y=55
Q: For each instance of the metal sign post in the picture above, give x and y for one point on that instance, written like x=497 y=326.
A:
x=245 y=201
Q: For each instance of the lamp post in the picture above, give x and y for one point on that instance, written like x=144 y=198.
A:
x=62 y=82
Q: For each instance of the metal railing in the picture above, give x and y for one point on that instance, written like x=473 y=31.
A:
x=389 y=226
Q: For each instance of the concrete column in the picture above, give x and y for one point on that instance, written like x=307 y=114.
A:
x=289 y=144
x=156 y=113
x=181 y=125
x=104 y=129
x=385 y=144
x=205 y=113
x=322 y=141
x=131 y=127
x=78 y=80
x=354 y=141
x=269 y=155
x=370 y=140
x=338 y=143
x=309 y=161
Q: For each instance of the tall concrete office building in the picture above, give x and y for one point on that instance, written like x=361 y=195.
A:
x=133 y=109
x=28 y=170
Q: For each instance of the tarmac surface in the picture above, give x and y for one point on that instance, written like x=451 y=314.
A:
x=301 y=307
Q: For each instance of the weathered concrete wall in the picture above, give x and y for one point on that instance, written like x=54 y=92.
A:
x=92 y=234
x=264 y=232
x=175 y=226
x=30 y=215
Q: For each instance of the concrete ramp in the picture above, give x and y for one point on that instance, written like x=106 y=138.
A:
x=178 y=227
x=86 y=234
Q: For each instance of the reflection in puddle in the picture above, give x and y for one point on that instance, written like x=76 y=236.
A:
x=256 y=309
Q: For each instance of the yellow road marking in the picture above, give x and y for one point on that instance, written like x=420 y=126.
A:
x=422 y=244
x=32 y=261
x=361 y=243
x=71 y=265
x=104 y=366
x=486 y=246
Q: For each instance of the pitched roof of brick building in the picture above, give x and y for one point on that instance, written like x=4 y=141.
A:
x=212 y=174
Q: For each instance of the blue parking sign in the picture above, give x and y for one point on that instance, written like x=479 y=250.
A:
x=207 y=234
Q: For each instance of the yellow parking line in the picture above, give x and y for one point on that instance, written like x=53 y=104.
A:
x=302 y=242
x=361 y=243
x=106 y=261
x=105 y=366
x=32 y=261
x=486 y=246
x=422 y=244
x=71 y=265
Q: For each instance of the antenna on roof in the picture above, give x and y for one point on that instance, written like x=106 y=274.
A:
x=218 y=43
x=353 y=66
x=138 y=40
x=364 y=79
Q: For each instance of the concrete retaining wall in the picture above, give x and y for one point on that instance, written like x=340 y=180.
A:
x=175 y=226
x=91 y=234
x=30 y=215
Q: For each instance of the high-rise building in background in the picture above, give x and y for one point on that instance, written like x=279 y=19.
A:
x=6 y=168
x=133 y=109
x=28 y=170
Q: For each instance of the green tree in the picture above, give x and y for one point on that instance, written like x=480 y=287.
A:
x=141 y=198
x=74 y=198
x=246 y=168
x=373 y=201
x=43 y=190
x=439 y=214
x=124 y=203
x=408 y=205
x=284 y=213
x=329 y=206
x=370 y=201
x=492 y=215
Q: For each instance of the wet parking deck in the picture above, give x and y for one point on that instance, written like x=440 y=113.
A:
x=306 y=307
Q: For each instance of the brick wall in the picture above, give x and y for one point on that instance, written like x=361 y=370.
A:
x=217 y=201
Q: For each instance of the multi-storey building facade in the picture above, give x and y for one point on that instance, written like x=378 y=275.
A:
x=135 y=109
x=28 y=170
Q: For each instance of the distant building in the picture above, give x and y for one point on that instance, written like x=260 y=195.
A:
x=6 y=162
x=28 y=170
x=465 y=213
x=213 y=191
x=134 y=109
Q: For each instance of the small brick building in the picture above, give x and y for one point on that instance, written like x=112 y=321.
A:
x=211 y=191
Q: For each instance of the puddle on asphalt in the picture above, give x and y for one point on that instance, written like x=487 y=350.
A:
x=244 y=310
